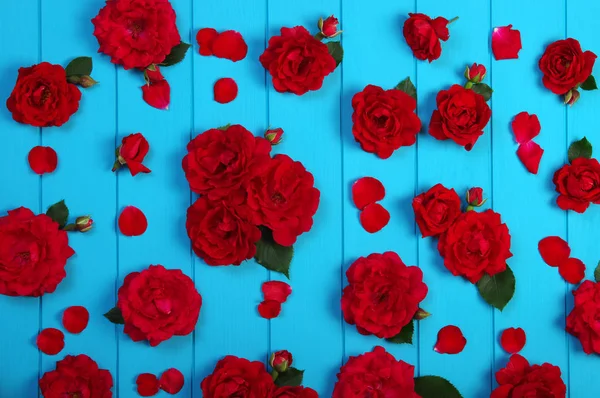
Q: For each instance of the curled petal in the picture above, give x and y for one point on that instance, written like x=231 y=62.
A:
x=132 y=221
x=374 y=217
x=513 y=340
x=554 y=250
x=269 y=309
x=50 y=341
x=276 y=291
x=42 y=159
x=147 y=385
x=530 y=155
x=367 y=190
x=572 y=270
x=450 y=340
x=75 y=319
x=506 y=42
x=525 y=127
x=230 y=45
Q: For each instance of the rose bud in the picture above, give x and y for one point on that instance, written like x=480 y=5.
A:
x=475 y=198
x=475 y=73
x=571 y=97
x=274 y=136
x=281 y=361
x=329 y=27
x=84 y=223
x=421 y=314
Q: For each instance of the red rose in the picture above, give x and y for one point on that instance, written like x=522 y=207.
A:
x=220 y=232
x=476 y=244
x=240 y=378
x=297 y=61
x=519 y=379
x=132 y=151
x=565 y=66
x=33 y=253
x=578 y=184
x=375 y=374
x=582 y=321
x=384 y=120
x=158 y=303
x=423 y=35
x=476 y=73
x=382 y=295
x=77 y=376
x=295 y=392
x=42 y=97
x=461 y=116
x=329 y=27
x=436 y=210
x=284 y=199
x=281 y=360
x=136 y=33
x=220 y=162
x=475 y=197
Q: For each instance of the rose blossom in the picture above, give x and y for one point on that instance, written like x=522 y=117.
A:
x=281 y=360
x=582 y=321
x=329 y=27
x=295 y=392
x=578 y=184
x=423 y=35
x=565 y=65
x=76 y=376
x=131 y=152
x=238 y=377
x=519 y=379
x=436 y=210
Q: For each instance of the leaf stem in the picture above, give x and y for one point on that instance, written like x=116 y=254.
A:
x=452 y=20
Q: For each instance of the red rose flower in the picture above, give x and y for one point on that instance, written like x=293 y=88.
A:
x=158 y=303
x=297 y=62
x=382 y=295
x=476 y=73
x=284 y=199
x=519 y=379
x=281 y=360
x=42 y=97
x=220 y=232
x=475 y=197
x=131 y=152
x=565 y=66
x=329 y=27
x=33 y=253
x=423 y=35
x=238 y=377
x=461 y=116
x=384 y=120
x=578 y=184
x=476 y=244
x=582 y=321
x=295 y=392
x=375 y=374
x=436 y=210
x=77 y=376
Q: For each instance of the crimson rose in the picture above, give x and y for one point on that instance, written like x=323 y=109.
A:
x=158 y=303
x=582 y=322
x=42 y=97
x=436 y=210
x=565 y=66
x=240 y=378
x=295 y=392
x=423 y=35
x=578 y=184
x=519 y=379
x=76 y=376
x=132 y=151
x=384 y=120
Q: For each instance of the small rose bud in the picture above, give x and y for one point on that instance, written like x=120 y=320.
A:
x=274 y=136
x=84 y=223
x=281 y=360
x=475 y=197
x=87 y=81
x=329 y=27
x=571 y=97
x=475 y=73
x=421 y=314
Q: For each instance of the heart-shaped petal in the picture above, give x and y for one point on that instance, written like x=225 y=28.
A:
x=554 y=250
x=513 y=340
x=374 y=217
x=42 y=159
x=269 y=309
x=450 y=340
x=50 y=341
x=367 y=190
x=525 y=127
x=171 y=381
x=530 y=155
x=132 y=221
x=75 y=319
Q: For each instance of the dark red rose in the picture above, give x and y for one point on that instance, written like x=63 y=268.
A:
x=519 y=379
x=77 y=376
x=582 y=322
x=131 y=152
x=476 y=73
x=329 y=27
x=565 y=66
x=578 y=184
x=475 y=197
x=423 y=35
x=284 y=199
x=239 y=378
x=219 y=163
x=436 y=210
x=33 y=253
x=295 y=392
x=476 y=244
x=375 y=374
x=221 y=232
x=461 y=116
x=384 y=120
x=42 y=97
x=297 y=62
x=382 y=295
x=136 y=33
x=158 y=303
x=281 y=360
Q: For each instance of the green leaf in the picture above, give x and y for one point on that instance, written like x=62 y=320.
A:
x=580 y=149
x=483 y=89
x=79 y=66
x=408 y=87
x=499 y=289
x=597 y=273
x=59 y=213
x=405 y=336
x=435 y=387
x=176 y=55
x=589 y=84
x=272 y=255
x=291 y=377
x=336 y=51
x=224 y=127
x=115 y=316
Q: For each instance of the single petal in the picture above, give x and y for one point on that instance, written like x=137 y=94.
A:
x=50 y=341
x=276 y=291
x=530 y=155
x=572 y=270
x=155 y=75
x=554 y=250
x=269 y=309
x=525 y=127
x=205 y=38
x=506 y=42
x=75 y=319
x=450 y=340
x=367 y=190
x=171 y=381
x=158 y=94
x=147 y=385
x=374 y=217
x=513 y=340
x=230 y=45
x=225 y=90
x=42 y=159
x=132 y=221
x=137 y=167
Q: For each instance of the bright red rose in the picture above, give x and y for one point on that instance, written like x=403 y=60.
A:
x=297 y=62
x=281 y=360
x=33 y=253
x=476 y=73
x=578 y=184
x=76 y=376
x=329 y=27
x=284 y=199
x=383 y=294
x=295 y=392
x=158 y=303
x=238 y=377
x=131 y=152
x=476 y=244
x=519 y=379
x=42 y=97
x=582 y=321
x=375 y=374
x=436 y=210
x=565 y=66
x=423 y=35
x=384 y=120
x=475 y=197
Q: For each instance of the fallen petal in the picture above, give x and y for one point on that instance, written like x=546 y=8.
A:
x=50 y=341
x=132 y=221
x=530 y=155
x=276 y=291
x=205 y=38
x=367 y=190
x=230 y=45
x=42 y=159
x=506 y=42
x=225 y=90
x=158 y=94
x=554 y=250
x=171 y=381
x=450 y=340
x=572 y=270
x=75 y=319
x=513 y=340
x=147 y=385
x=374 y=217
x=269 y=309
x=525 y=127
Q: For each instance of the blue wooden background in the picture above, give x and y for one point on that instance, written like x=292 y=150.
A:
x=318 y=133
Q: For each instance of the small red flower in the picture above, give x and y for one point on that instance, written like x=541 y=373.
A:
x=476 y=73
x=554 y=250
x=171 y=381
x=75 y=319
x=225 y=90
x=513 y=340
x=450 y=340
x=276 y=291
x=423 y=35
x=530 y=155
x=157 y=94
x=506 y=42
x=205 y=38
x=42 y=159
x=367 y=190
x=475 y=197
x=572 y=270
x=269 y=309
x=281 y=360
x=131 y=152
x=230 y=45
x=274 y=136
x=50 y=341
x=147 y=385
x=374 y=217
x=132 y=221
x=329 y=27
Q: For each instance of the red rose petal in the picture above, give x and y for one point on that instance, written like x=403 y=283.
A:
x=374 y=217
x=147 y=385
x=525 y=127
x=42 y=159
x=157 y=94
x=205 y=38
x=230 y=45
x=367 y=190
x=155 y=75
x=506 y=42
x=172 y=381
x=50 y=341
x=450 y=340
x=513 y=340
x=132 y=222
x=269 y=309
x=572 y=270
x=276 y=291
x=75 y=319
x=554 y=250
x=530 y=155
x=225 y=90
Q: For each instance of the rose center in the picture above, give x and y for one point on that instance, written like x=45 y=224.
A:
x=278 y=198
x=163 y=305
x=479 y=246
x=586 y=184
x=136 y=27
x=41 y=94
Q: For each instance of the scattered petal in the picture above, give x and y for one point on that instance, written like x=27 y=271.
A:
x=525 y=127
x=155 y=75
x=42 y=159
x=230 y=45
x=205 y=38
x=50 y=341
x=276 y=291
x=513 y=340
x=75 y=319
x=132 y=222
x=367 y=190
x=147 y=385
x=158 y=94
x=374 y=217
x=530 y=155
x=171 y=381
x=572 y=270
x=506 y=42
x=554 y=250
x=450 y=340
x=225 y=90
x=269 y=309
